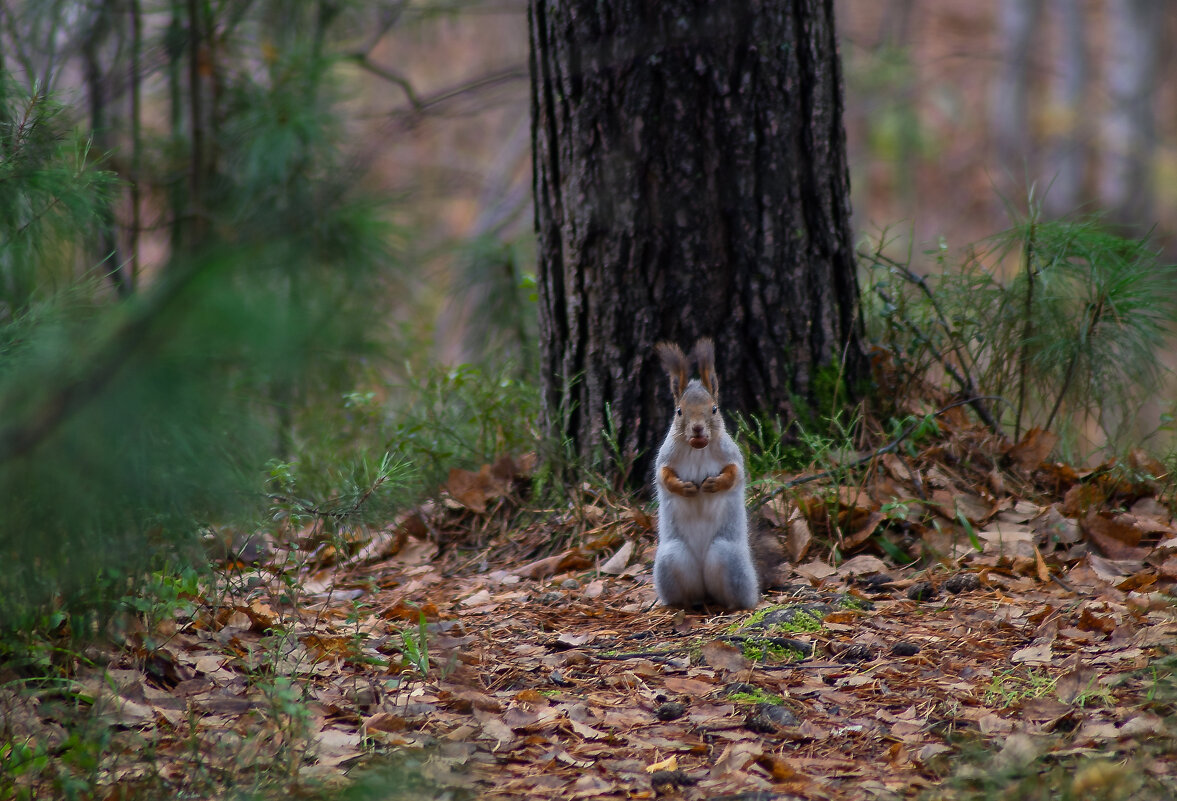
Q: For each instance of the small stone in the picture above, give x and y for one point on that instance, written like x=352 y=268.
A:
x=740 y=688
x=570 y=584
x=558 y=679
x=875 y=582
x=769 y=718
x=799 y=647
x=759 y=723
x=904 y=649
x=660 y=779
x=671 y=710
x=962 y=582
x=921 y=591
x=858 y=652
x=780 y=715
x=549 y=598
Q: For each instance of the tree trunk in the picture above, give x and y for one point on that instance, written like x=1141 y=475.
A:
x=1009 y=115
x=690 y=180
x=107 y=252
x=1129 y=135
x=1066 y=141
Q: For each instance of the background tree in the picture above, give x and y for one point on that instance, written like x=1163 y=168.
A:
x=690 y=180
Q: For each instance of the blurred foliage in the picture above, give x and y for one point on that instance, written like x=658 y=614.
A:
x=253 y=374
x=125 y=425
x=1064 y=320
x=51 y=197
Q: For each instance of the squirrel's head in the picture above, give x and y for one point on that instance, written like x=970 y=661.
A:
x=696 y=402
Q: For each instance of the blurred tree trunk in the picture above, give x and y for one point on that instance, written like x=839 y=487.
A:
x=690 y=180
x=135 y=80
x=1066 y=148
x=1128 y=134
x=98 y=85
x=1009 y=112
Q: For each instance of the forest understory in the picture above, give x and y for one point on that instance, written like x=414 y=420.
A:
x=482 y=647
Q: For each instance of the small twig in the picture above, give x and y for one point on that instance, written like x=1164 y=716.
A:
x=805 y=665
x=1027 y=332
x=1068 y=586
x=888 y=448
x=1096 y=314
x=964 y=381
x=653 y=656
x=365 y=61
x=505 y=76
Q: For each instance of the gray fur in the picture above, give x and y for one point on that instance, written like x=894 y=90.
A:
x=703 y=551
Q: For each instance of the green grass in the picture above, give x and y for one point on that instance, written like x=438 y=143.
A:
x=1010 y=687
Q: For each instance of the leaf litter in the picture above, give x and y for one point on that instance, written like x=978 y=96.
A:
x=525 y=654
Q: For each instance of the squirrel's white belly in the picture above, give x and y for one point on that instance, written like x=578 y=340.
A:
x=697 y=519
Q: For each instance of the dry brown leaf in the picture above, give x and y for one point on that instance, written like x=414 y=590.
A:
x=1039 y=654
x=590 y=785
x=572 y=559
x=1040 y=566
x=670 y=763
x=1008 y=539
x=384 y=721
x=799 y=538
x=866 y=527
x=405 y=611
x=1115 y=536
x=616 y=563
x=1033 y=448
x=736 y=757
x=1081 y=498
x=862 y=565
x=473 y=490
x=815 y=570
x=724 y=655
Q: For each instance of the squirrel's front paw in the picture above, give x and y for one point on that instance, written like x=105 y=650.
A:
x=690 y=489
x=722 y=482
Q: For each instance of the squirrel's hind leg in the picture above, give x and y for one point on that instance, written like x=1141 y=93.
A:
x=730 y=575
x=678 y=576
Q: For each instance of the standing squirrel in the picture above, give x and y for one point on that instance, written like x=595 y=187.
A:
x=703 y=552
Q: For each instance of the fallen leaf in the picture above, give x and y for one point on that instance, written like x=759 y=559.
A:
x=861 y=565
x=799 y=539
x=473 y=490
x=670 y=763
x=1032 y=449
x=725 y=656
x=618 y=561
x=1040 y=654
x=572 y=559
x=736 y=757
x=1115 y=536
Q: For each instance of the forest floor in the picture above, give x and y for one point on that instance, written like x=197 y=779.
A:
x=496 y=652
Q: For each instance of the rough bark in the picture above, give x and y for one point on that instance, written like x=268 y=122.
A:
x=690 y=180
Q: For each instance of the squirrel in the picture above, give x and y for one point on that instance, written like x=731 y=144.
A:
x=703 y=550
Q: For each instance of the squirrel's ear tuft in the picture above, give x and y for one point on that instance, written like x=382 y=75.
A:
x=675 y=363
x=704 y=356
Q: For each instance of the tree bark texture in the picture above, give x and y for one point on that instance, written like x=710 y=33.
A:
x=690 y=180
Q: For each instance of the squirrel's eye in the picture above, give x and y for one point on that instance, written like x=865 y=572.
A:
x=678 y=412
x=714 y=409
